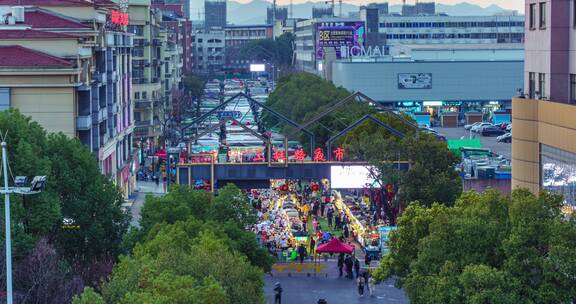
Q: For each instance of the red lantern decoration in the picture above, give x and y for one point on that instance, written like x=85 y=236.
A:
x=315 y=187
x=284 y=188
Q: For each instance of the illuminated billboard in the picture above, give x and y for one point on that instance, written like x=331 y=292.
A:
x=350 y=177
x=407 y=81
x=338 y=34
x=257 y=67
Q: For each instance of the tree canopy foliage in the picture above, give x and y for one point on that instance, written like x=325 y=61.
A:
x=278 y=51
x=486 y=249
x=193 y=86
x=192 y=247
x=303 y=96
x=52 y=262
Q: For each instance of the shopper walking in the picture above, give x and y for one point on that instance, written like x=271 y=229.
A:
x=357 y=267
x=301 y=253
x=361 y=282
x=340 y=264
x=371 y=285
x=329 y=216
x=277 y=293
x=349 y=263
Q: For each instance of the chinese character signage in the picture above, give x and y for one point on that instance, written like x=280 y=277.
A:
x=319 y=155
x=119 y=18
x=339 y=154
x=337 y=34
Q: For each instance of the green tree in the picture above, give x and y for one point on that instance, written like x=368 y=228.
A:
x=89 y=296
x=193 y=86
x=172 y=260
x=87 y=197
x=485 y=249
x=278 y=51
x=232 y=205
x=302 y=97
x=75 y=189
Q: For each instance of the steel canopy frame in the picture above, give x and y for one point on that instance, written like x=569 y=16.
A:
x=252 y=101
x=356 y=124
x=360 y=97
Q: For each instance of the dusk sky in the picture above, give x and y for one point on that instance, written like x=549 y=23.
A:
x=508 y=4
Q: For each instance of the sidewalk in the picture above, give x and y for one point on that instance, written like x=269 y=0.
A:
x=139 y=197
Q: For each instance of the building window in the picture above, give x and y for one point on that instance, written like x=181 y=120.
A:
x=558 y=172
x=144 y=95
x=542 y=19
x=137 y=95
x=531 y=84
x=532 y=17
x=542 y=85
x=4 y=99
x=573 y=88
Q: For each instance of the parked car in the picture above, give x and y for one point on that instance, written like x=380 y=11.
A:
x=478 y=128
x=468 y=127
x=506 y=138
x=433 y=132
x=509 y=127
x=491 y=131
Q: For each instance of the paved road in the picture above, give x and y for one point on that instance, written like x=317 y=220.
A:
x=300 y=289
x=143 y=189
x=503 y=149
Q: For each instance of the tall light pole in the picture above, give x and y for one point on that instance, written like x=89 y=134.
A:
x=7 y=223
x=36 y=186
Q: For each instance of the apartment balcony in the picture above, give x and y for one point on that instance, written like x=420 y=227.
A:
x=143 y=104
x=143 y=123
x=156 y=42
x=84 y=122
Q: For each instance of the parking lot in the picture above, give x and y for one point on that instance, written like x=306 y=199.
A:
x=504 y=149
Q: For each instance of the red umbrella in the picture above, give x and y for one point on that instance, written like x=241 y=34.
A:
x=335 y=246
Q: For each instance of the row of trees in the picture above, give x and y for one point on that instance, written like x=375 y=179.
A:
x=192 y=247
x=431 y=176
x=487 y=248
x=51 y=262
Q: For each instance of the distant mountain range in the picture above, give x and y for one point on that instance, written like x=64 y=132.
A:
x=255 y=12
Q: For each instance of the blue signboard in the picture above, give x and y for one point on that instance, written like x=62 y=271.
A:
x=229 y=114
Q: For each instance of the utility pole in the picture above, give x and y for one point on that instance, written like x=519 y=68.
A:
x=36 y=186
x=8 y=240
x=273 y=19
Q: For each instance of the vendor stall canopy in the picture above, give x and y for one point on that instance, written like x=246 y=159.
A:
x=335 y=246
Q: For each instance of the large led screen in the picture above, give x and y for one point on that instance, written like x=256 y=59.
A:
x=338 y=34
x=350 y=177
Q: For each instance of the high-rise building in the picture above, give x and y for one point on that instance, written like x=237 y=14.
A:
x=214 y=14
x=322 y=12
x=544 y=117
x=281 y=14
x=419 y=8
x=381 y=7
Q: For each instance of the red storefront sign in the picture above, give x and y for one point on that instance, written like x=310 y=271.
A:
x=120 y=18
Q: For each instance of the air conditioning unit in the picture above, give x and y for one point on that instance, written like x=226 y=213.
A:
x=18 y=13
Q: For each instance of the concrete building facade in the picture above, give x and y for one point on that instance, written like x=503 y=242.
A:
x=95 y=103
x=544 y=117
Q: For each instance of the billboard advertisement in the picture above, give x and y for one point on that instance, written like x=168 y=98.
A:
x=350 y=177
x=338 y=34
x=407 y=81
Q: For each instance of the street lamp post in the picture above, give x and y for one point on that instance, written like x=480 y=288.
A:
x=36 y=186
